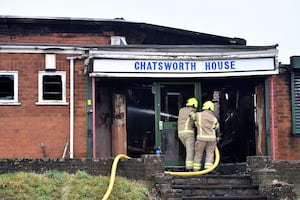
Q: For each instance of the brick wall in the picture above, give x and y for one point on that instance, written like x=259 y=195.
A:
x=54 y=33
x=143 y=168
x=57 y=39
x=286 y=144
x=29 y=130
x=278 y=178
x=27 y=127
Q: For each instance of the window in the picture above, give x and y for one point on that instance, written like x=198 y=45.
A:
x=8 y=87
x=52 y=88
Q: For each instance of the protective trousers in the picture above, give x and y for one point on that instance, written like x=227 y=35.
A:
x=200 y=147
x=188 y=140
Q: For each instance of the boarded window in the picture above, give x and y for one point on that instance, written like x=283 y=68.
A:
x=52 y=87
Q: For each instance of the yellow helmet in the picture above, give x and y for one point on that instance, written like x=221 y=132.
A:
x=192 y=102
x=208 y=105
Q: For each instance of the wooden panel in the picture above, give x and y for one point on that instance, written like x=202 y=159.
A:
x=119 y=134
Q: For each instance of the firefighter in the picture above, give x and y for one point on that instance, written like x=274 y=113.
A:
x=206 y=139
x=186 y=131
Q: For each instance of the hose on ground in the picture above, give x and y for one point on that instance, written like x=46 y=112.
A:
x=205 y=171
x=116 y=160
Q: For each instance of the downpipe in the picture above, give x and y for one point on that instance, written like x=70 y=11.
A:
x=71 y=114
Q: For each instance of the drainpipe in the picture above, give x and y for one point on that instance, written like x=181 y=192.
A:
x=273 y=117
x=72 y=59
x=72 y=106
x=94 y=116
x=267 y=117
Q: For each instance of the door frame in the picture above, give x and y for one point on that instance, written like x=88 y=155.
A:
x=157 y=105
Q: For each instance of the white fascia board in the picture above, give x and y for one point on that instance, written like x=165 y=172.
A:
x=200 y=75
x=41 y=49
x=182 y=55
x=184 y=64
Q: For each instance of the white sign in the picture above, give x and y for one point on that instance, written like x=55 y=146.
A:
x=184 y=67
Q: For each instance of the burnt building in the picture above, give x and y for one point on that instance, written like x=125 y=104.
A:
x=97 y=88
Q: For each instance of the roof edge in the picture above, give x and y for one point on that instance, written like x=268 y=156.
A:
x=98 y=21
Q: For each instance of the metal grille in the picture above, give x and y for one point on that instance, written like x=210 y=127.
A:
x=296 y=103
x=52 y=87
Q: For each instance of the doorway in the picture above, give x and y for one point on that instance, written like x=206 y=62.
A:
x=234 y=101
x=125 y=117
x=148 y=116
x=171 y=97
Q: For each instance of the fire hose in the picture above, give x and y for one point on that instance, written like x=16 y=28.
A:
x=116 y=160
x=113 y=175
x=205 y=171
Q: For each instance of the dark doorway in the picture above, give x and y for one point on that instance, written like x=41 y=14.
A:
x=139 y=116
x=173 y=96
x=234 y=107
x=140 y=119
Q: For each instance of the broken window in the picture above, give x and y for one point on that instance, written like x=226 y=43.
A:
x=8 y=87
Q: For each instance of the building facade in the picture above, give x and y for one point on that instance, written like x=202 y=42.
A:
x=96 y=88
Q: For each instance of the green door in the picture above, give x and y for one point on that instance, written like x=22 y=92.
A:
x=170 y=97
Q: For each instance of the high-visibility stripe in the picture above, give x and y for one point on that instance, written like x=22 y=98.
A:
x=189 y=163
x=186 y=124
x=207 y=165
x=185 y=131
x=186 y=127
x=199 y=124
x=206 y=136
x=197 y=166
x=200 y=130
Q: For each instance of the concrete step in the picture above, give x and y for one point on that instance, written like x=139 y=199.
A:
x=228 y=181
x=217 y=190
x=256 y=197
x=213 y=180
x=215 y=185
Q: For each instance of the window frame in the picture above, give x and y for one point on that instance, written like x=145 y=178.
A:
x=42 y=101
x=15 y=100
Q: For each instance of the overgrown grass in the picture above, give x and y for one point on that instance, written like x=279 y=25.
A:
x=60 y=185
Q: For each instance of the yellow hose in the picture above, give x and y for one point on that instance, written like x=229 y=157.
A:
x=113 y=175
x=217 y=160
x=116 y=160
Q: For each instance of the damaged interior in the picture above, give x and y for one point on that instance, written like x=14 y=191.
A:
x=149 y=117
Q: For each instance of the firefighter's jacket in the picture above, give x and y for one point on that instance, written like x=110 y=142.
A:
x=206 y=124
x=185 y=123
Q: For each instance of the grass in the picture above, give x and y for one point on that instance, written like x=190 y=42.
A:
x=54 y=185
